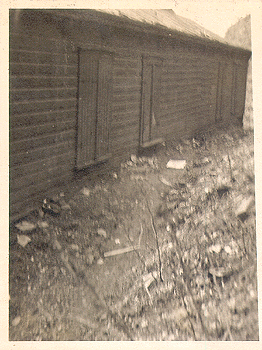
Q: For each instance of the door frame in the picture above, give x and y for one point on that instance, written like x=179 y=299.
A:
x=153 y=62
x=89 y=116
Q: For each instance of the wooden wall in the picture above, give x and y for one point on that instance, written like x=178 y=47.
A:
x=44 y=91
x=43 y=87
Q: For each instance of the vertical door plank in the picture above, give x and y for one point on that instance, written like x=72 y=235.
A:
x=94 y=107
x=151 y=78
x=103 y=106
x=87 y=108
x=147 y=91
x=155 y=101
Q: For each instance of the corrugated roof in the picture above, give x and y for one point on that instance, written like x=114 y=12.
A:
x=154 y=19
x=168 y=19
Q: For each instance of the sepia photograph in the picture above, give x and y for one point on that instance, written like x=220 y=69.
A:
x=132 y=207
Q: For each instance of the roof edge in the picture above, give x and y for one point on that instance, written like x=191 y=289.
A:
x=94 y=15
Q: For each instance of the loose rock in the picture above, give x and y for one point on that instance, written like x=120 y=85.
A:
x=23 y=240
x=101 y=232
x=176 y=164
x=244 y=206
x=25 y=226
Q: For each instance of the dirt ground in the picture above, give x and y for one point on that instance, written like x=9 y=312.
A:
x=146 y=252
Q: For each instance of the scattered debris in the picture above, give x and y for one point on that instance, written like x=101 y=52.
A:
x=176 y=315
x=100 y=261
x=25 y=226
x=120 y=251
x=16 y=321
x=101 y=232
x=23 y=240
x=57 y=245
x=64 y=205
x=223 y=190
x=202 y=162
x=140 y=164
x=89 y=257
x=149 y=279
x=85 y=191
x=176 y=164
x=198 y=141
x=198 y=247
x=144 y=323
x=244 y=206
x=133 y=158
x=215 y=248
x=220 y=272
x=43 y=224
x=164 y=181
x=205 y=161
x=74 y=247
x=228 y=249
x=41 y=213
x=51 y=207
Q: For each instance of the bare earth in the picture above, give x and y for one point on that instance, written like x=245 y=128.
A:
x=146 y=252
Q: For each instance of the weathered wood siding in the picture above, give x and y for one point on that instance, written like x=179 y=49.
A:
x=45 y=89
x=126 y=104
x=189 y=86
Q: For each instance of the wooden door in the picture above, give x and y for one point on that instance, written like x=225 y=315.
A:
x=149 y=126
x=94 y=102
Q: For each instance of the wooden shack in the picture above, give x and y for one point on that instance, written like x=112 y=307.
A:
x=91 y=87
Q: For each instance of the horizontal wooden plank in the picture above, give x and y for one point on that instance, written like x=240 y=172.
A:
x=24 y=206
x=19 y=41
x=27 y=69
x=134 y=63
x=16 y=95
x=32 y=179
x=40 y=130
x=39 y=165
x=178 y=113
x=42 y=82
x=39 y=106
x=41 y=153
x=182 y=67
x=187 y=81
x=41 y=118
x=180 y=73
x=38 y=190
x=182 y=96
x=36 y=142
x=43 y=57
